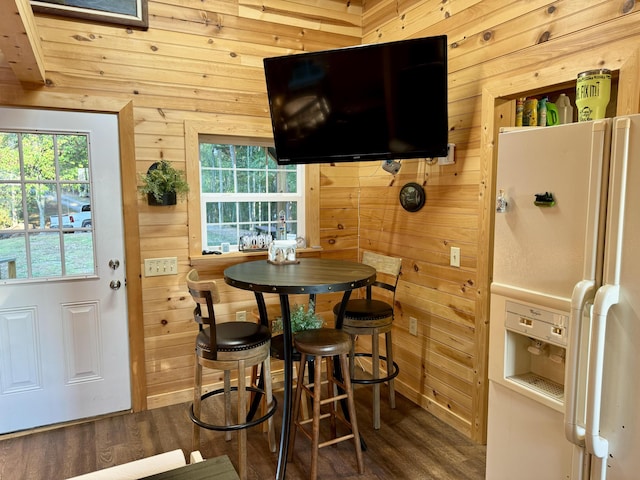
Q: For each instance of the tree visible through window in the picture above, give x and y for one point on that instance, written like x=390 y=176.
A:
x=45 y=194
x=245 y=192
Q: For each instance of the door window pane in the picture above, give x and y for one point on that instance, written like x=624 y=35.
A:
x=45 y=208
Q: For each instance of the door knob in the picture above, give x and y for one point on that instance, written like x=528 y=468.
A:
x=115 y=284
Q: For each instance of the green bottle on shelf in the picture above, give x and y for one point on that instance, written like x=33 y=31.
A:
x=542 y=112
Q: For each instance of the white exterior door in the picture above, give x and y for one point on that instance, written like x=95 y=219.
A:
x=63 y=311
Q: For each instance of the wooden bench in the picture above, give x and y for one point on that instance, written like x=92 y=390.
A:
x=144 y=467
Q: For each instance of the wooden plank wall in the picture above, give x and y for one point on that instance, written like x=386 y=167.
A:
x=201 y=61
x=492 y=45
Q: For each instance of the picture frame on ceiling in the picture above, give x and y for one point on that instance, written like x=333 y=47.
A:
x=132 y=13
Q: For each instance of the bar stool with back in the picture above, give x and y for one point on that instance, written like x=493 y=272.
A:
x=369 y=316
x=229 y=346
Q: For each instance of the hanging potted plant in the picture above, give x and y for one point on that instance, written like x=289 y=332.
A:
x=163 y=184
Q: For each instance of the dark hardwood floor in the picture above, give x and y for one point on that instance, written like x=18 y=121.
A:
x=411 y=444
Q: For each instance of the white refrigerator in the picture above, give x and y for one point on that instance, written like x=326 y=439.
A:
x=564 y=348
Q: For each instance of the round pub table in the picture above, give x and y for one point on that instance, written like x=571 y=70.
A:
x=309 y=276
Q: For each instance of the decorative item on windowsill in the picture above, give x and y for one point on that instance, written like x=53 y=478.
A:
x=282 y=225
x=301 y=319
x=255 y=243
x=282 y=252
x=163 y=184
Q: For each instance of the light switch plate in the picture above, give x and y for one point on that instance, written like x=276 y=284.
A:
x=454 y=259
x=413 y=326
x=154 y=267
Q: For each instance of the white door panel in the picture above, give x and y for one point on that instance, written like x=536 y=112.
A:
x=64 y=341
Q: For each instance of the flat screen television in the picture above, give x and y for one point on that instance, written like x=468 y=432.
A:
x=380 y=101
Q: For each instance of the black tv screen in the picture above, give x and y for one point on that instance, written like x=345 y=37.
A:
x=381 y=101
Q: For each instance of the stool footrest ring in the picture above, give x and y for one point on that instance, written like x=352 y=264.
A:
x=233 y=427
x=371 y=381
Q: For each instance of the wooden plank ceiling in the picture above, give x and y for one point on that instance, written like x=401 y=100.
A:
x=19 y=41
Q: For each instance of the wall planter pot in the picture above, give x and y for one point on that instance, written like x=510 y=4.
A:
x=169 y=198
x=163 y=184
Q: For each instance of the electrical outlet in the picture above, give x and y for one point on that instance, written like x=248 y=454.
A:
x=454 y=257
x=413 y=326
x=154 y=267
x=241 y=316
x=449 y=159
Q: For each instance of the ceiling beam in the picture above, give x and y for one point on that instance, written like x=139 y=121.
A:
x=19 y=41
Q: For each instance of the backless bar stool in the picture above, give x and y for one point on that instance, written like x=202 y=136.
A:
x=324 y=343
x=270 y=313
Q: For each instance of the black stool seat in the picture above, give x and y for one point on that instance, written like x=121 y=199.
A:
x=232 y=337
x=365 y=309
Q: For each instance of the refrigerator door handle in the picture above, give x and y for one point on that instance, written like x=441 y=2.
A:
x=606 y=297
x=582 y=293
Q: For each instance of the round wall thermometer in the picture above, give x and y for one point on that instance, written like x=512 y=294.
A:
x=412 y=197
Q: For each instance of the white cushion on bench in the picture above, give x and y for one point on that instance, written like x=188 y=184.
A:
x=141 y=468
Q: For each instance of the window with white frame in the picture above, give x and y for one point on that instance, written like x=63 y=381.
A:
x=244 y=192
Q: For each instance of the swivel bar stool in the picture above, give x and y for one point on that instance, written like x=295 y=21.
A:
x=369 y=316
x=229 y=346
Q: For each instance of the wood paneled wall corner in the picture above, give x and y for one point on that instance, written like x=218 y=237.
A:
x=495 y=52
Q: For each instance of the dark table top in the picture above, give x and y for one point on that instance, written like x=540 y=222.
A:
x=310 y=275
x=217 y=468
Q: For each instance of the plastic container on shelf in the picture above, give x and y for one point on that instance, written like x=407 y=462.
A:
x=542 y=112
x=530 y=113
x=552 y=114
x=593 y=90
x=565 y=110
x=519 y=111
